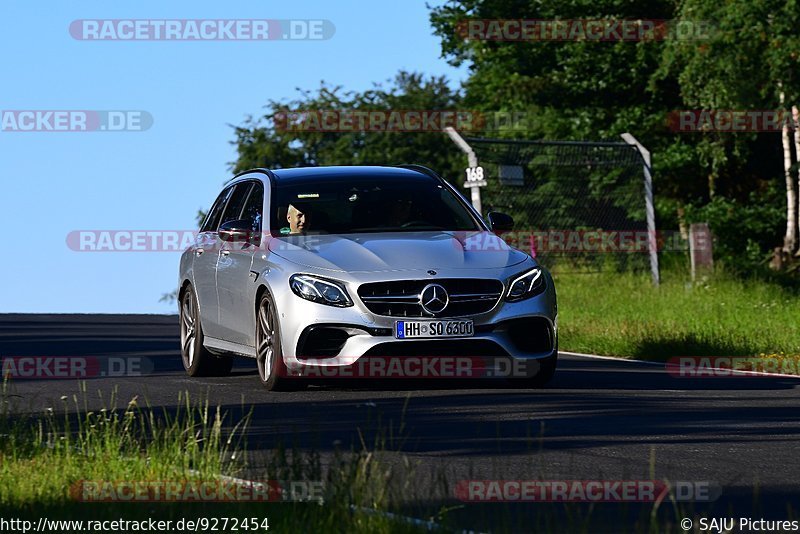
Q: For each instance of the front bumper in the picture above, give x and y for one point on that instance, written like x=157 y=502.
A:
x=320 y=335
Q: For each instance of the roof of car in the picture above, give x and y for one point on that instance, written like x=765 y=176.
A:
x=302 y=174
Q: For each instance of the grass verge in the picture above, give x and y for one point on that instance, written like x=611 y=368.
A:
x=622 y=314
x=47 y=460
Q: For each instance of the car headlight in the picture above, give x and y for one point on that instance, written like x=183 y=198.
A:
x=525 y=285
x=319 y=290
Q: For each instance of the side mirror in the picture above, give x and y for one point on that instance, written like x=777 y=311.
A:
x=500 y=222
x=240 y=230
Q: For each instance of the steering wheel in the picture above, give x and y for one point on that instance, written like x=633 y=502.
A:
x=409 y=224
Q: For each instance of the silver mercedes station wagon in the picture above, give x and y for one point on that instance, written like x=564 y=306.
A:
x=327 y=266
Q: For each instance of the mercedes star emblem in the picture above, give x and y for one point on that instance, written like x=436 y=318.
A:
x=434 y=298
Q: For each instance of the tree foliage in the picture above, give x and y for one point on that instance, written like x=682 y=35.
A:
x=263 y=143
x=597 y=90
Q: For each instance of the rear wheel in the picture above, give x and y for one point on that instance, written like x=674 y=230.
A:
x=198 y=360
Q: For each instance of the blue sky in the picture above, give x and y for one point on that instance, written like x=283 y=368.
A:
x=56 y=183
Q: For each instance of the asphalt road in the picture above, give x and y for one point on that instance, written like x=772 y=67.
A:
x=598 y=419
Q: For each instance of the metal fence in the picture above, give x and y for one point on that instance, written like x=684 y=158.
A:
x=578 y=205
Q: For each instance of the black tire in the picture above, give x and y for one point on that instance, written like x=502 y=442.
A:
x=198 y=360
x=547 y=368
x=272 y=371
x=546 y=371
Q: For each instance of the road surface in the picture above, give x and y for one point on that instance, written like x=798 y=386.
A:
x=597 y=420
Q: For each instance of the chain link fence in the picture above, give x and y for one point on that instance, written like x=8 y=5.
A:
x=578 y=206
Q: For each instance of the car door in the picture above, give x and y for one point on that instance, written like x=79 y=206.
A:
x=204 y=265
x=234 y=282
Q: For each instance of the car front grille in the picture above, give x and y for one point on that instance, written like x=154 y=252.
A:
x=401 y=298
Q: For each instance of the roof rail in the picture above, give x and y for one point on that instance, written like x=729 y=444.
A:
x=261 y=170
x=419 y=168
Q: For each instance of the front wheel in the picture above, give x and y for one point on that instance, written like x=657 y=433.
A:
x=547 y=369
x=269 y=357
x=198 y=360
x=545 y=372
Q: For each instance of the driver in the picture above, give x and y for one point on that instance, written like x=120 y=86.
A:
x=399 y=213
x=299 y=219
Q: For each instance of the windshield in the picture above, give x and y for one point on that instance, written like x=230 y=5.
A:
x=366 y=204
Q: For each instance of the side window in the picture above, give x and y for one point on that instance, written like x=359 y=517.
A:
x=234 y=208
x=212 y=219
x=254 y=207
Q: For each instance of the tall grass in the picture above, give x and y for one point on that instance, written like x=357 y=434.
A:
x=44 y=456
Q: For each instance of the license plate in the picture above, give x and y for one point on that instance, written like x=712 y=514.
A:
x=433 y=329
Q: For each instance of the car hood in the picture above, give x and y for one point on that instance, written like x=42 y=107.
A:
x=395 y=251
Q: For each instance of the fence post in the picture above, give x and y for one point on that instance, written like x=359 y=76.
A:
x=472 y=160
x=700 y=251
x=652 y=242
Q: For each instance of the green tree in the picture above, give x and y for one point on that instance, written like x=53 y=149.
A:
x=261 y=142
x=597 y=90
x=575 y=89
x=750 y=62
